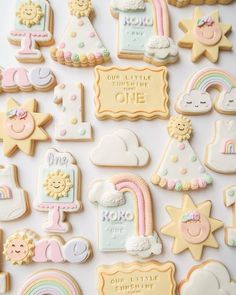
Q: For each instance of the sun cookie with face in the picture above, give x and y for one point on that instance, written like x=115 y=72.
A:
x=29 y=13
x=180 y=127
x=80 y=8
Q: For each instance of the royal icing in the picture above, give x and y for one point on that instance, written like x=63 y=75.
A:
x=196 y=97
x=180 y=168
x=24 y=247
x=121 y=149
x=80 y=45
x=13 y=199
x=125 y=219
x=210 y=277
x=51 y=281
x=182 y=3
x=58 y=190
x=144 y=31
x=21 y=126
x=220 y=154
x=70 y=125
x=230 y=201
x=192 y=227
x=205 y=34
x=32 y=28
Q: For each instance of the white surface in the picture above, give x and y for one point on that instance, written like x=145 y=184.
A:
x=153 y=136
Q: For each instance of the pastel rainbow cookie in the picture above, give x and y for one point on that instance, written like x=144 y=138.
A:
x=5 y=193
x=52 y=282
x=196 y=99
x=125 y=215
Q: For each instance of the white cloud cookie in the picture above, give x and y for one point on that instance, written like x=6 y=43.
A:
x=125 y=5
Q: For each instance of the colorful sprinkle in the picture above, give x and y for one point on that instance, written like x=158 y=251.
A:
x=174 y=159
x=73 y=34
x=181 y=146
x=81 y=45
x=73 y=97
x=74 y=121
x=82 y=132
x=183 y=171
x=62 y=45
x=193 y=158
x=92 y=34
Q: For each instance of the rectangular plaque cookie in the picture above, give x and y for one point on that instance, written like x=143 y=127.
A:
x=131 y=93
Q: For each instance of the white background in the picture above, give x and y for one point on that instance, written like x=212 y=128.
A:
x=152 y=135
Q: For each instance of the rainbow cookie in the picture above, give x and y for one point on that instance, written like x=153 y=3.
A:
x=146 y=278
x=125 y=220
x=180 y=168
x=230 y=201
x=80 y=45
x=220 y=153
x=58 y=189
x=196 y=99
x=210 y=277
x=50 y=281
x=183 y=3
x=192 y=227
x=33 y=26
x=205 y=34
x=144 y=31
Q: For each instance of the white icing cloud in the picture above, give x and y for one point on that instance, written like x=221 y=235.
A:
x=227 y=101
x=161 y=48
x=120 y=149
x=212 y=279
x=125 y=5
x=194 y=102
x=105 y=194
x=143 y=246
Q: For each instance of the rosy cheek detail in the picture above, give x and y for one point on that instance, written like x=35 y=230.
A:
x=20 y=129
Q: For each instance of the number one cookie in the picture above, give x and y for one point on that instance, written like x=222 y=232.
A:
x=4 y=277
x=230 y=201
x=33 y=28
x=70 y=124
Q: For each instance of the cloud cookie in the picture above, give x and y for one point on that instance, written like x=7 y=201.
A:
x=120 y=149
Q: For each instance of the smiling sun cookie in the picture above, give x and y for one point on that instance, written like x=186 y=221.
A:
x=21 y=126
x=80 y=45
x=144 y=31
x=180 y=168
x=192 y=227
x=205 y=34
x=33 y=26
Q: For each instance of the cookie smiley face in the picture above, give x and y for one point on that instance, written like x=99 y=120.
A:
x=29 y=13
x=19 y=124
x=180 y=127
x=80 y=8
x=17 y=249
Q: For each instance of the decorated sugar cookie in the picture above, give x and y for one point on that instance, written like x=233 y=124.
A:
x=119 y=149
x=144 y=31
x=13 y=199
x=192 y=227
x=125 y=220
x=58 y=189
x=180 y=168
x=70 y=125
x=196 y=98
x=205 y=34
x=146 y=278
x=33 y=26
x=21 y=126
x=80 y=45
x=210 y=277
x=4 y=277
x=183 y=3
x=51 y=281
x=25 y=247
x=230 y=201
x=220 y=154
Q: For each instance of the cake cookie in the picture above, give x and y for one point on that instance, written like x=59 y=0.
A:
x=80 y=45
x=19 y=79
x=58 y=189
x=21 y=126
x=51 y=281
x=205 y=34
x=33 y=26
x=144 y=31
x=131 y=93
x=125 y=217
x=13 y=199
x=196 y=98
x=146 y=278
x=119 y=149
x=192 y=227
x=210 y=277
x=183 y=3
x=220 y=153
x=25 y=247
x=4 y=276
x=70 y=124
x=230 y=201
x=180 y=168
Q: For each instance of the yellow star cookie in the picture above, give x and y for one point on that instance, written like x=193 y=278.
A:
x=192 y=227
x=205 y=34
x=21 y=126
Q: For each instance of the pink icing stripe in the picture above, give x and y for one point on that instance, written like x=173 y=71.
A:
x=141 y=204
x=159 y=17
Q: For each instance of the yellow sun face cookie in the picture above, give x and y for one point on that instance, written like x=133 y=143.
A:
x=80 y=8
x=205 y=34
x=29 y=13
